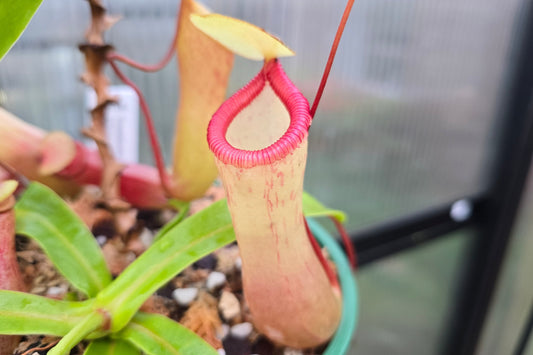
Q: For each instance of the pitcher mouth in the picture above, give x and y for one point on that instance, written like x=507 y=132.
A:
x=271 y=77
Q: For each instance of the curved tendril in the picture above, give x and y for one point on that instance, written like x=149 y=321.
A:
x=154 y=141
x=350 y=250
x=147 y=67
x=323 y=261
x=331 y=57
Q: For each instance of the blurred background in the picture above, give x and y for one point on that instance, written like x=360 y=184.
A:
x=409 y=120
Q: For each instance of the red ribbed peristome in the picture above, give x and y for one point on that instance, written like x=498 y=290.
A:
x=295 y=103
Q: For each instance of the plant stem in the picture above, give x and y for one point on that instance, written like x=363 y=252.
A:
x=347 y=243
x=94 y=321
x=332 y=53
x=154 y=141
x=10 y=277
x=144 y=67
x=318 y=251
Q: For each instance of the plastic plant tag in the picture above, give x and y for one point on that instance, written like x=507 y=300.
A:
x=121 y=121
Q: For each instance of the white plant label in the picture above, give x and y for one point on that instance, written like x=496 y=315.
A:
x=121 y=122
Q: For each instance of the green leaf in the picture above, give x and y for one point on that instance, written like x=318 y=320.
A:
x=107 y=346
x=192 y=239
x=14 y=17
x=24 y=313
x=45 y=217
x=183 y=208
x=158 y=335
x=313 y=208
x=93 y=323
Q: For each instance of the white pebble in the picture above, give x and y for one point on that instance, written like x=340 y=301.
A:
x=185 y=296
x=241 y=330
x=229 y=305
x=215 y=280
x=222 y=332
x=146 y=237
x=101 y=240
x=221 y=351
x=55 y=291
x=238 y=263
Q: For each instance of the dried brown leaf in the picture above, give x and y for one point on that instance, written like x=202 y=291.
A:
x=202 y=318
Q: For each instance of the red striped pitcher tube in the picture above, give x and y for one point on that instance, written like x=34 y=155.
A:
x=259 y=139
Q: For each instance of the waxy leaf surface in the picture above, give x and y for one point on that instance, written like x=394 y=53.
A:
x=188 y=241
x=314 y=208
x=158 y=335
x=14 y=17
x=24 y=313
x=111 y=347
x=45 y=217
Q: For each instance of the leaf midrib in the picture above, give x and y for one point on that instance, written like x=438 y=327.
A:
x=93 y=277
x=160 y=340
x=126 y=293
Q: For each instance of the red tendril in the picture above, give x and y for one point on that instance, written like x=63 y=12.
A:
x=347 y=243
x=147 y=67
x=332 y=53
x=323 y=261
x=154 y=142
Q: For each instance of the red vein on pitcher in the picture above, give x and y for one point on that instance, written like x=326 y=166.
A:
x=259 y=139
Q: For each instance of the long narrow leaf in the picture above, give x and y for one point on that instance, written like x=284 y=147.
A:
x=14 y=17
x=158 y=335
x=314 y=208
x=45 y=217
x=179 y=247
x=183 y=208
x=24 y=313
x=108 y=346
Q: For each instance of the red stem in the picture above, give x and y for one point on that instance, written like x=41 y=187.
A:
x=347 y=243
x=332 y=53
x=154 y=141
x=325 y=264
x=146 y=67
x=10 y=276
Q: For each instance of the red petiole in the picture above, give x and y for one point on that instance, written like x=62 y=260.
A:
x=325 y=264
x=154 y=141
x=346 y=240
x=145 y=67
x=331 y=57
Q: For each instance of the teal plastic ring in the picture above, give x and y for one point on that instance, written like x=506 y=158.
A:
x=340 y=343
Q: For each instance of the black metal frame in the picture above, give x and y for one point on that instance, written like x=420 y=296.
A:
x=494 y=211
x=525 y=335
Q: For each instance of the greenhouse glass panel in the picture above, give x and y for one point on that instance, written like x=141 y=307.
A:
x=407 y=117
x=406 y=299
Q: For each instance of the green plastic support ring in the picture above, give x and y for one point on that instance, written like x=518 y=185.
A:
x=340 y=342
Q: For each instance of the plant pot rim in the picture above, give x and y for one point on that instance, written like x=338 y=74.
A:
x=340 y=342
